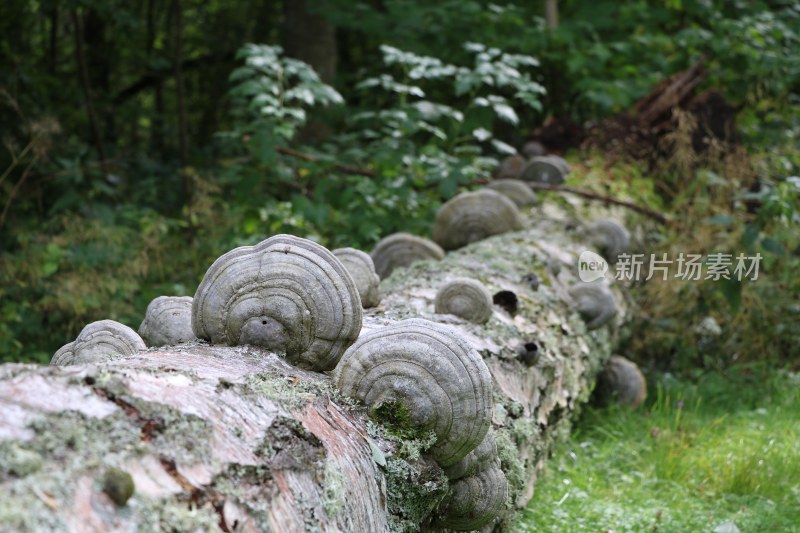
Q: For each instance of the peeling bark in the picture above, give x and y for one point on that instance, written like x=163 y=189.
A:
x=236 y=439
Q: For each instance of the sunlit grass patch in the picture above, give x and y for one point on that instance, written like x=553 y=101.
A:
x=723 y=449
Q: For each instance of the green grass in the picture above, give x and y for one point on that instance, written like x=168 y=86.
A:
x=700 y=453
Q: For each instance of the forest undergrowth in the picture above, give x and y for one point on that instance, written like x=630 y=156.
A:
x=705 y=454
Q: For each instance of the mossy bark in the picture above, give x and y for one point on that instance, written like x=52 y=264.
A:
x=239 y=440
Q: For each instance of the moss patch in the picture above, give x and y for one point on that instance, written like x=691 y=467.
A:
x=16 y=461
x=118 y=485
x=415 y=485
x=395 y=415
x=333 y=491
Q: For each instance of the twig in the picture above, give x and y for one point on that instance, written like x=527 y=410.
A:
x=83 y=70
x=15 y=159
x=14 y=191
x=661 y=217
x=348 y=169
x=180 y=90
x=46 y=498
x=156 y=76
x=359 y=171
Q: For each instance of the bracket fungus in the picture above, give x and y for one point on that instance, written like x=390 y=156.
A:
x=594 y=302
x=533 y=149
x=510 y=167
x=465 y=298
x=99 y=341
x=474 y=501
x=621 y=381
x=64 y=355
x=362 y=269
x=549 y=169
x=285 y=294
x=517 y=191
x=402 y=249
x=168 y=321
x=478 y=459
x=473 y=216
x=610 y=238
x=422 y=375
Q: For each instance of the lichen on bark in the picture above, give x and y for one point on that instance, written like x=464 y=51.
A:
x=221 y=435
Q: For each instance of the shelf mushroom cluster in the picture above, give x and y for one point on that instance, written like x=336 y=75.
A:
x=296 y=298
x=426 y=376
x=537 y=168
x=286 y=294
x=402 y=249
x=466 y=298
x=473 y=216
x=98 y=341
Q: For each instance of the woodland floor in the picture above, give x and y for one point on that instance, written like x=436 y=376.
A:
x=701 y=455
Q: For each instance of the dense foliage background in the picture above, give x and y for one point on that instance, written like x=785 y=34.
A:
x=144 y=138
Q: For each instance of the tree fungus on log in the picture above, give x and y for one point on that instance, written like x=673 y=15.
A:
x=285 y=294
x=240 y=438
x=472 y=216
x=97 y=342
x=167 y=321
x=402 y=249
x=620 y=381
x=362 y=269
x=515 y=190
x=465 y=298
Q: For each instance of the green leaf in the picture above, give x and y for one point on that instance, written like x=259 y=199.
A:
x=248 y=88
x=732 y=291
x=772 y=246
x=503 y=148
x=465 y=83
x=377 y=455
x=49 y=268
x=507 y=113
x=750 y=235
x=481 y=134
x=722 y=220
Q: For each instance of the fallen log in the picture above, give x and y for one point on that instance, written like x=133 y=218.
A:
x=655 y=109
x=641 y=209
x=646 y=131
x=197 y=437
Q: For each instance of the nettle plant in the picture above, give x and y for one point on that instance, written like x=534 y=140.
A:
x=448 y=145
x=270 y=98
x=416 y=149
x=274 y=89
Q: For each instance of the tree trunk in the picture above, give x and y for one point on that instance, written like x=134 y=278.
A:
x=52 y=55
x=83 y=71
x=180 y=88
x=310 y=38
x=157 y=117
x=236 y=439
x=551 y=13
x=100 y=62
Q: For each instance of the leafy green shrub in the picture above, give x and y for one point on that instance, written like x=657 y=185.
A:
x=413 y=151
x=105 y=253
x=756 y=319
x=272 y=89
